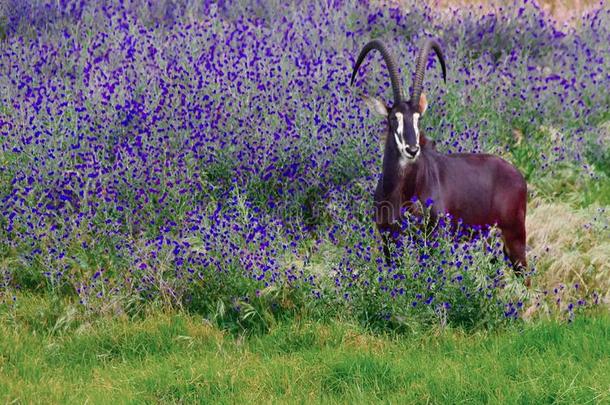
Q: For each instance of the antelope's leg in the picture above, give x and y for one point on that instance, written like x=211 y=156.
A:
x=386 y=240
x=389 y=237
x=514 y=246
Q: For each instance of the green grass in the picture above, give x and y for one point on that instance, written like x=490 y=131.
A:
x=177 y=358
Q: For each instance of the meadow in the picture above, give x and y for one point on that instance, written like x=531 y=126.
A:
x=187 y=182
x=177 y=358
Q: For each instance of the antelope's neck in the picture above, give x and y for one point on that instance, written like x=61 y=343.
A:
x=400 y=177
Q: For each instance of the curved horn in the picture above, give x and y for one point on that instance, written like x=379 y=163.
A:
x=389 y=61
x=422 y=60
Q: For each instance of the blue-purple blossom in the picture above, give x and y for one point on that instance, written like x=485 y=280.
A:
x=162 y=149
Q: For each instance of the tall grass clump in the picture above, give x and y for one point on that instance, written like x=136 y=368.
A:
x=194 y=155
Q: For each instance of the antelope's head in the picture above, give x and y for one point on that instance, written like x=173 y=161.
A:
x=403 y=116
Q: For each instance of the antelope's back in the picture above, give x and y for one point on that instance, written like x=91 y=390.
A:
x=482 y=189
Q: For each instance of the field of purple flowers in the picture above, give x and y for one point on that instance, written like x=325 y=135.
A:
x=212 y=156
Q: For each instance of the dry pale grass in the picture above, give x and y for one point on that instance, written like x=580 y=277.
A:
x=570 y=246
x=561 y=10
x=568 y=12
x=364 y=343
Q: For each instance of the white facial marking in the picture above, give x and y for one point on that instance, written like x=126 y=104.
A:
x=416 y=127
x=405 y=157
x=400 y=119
x=398 y=134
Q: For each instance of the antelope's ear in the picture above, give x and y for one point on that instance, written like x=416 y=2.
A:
x=423 y=104
x=376 y=105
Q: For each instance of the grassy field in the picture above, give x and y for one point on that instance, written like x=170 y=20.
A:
x=186 y=196
x=179 y=358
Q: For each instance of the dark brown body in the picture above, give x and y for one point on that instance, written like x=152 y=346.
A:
x=480 y=189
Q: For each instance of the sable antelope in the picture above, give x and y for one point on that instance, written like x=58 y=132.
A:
x=481 y=189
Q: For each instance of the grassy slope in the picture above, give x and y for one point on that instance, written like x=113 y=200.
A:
x=177 y=358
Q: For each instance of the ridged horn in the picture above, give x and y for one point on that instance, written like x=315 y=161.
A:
x=420 y=70
x=390 y=63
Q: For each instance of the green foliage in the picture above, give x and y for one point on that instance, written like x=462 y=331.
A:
x=258 y=313
x=175 y=357
x=443 y=275
x=361 y=373
x=183 y=188
x=572 y=186
x=599 y=156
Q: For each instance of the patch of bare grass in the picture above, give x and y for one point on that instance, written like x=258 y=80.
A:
x=570 y=247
